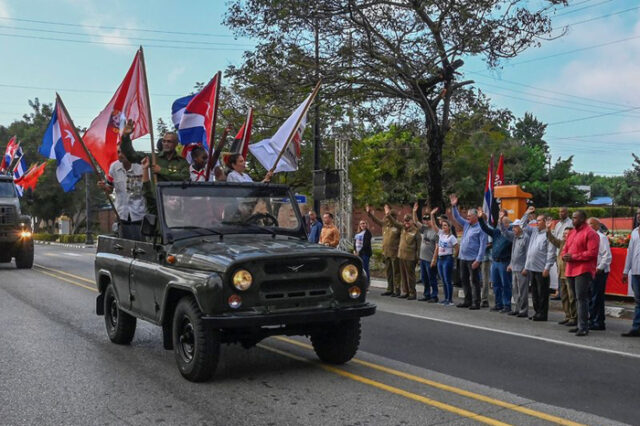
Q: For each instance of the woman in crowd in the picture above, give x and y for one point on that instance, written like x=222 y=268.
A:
x=238 y=167
x=362 y=246
x=443 y=256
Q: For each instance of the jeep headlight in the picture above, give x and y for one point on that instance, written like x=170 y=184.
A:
x=242 y=279
x=25 y=234
x=349 y=273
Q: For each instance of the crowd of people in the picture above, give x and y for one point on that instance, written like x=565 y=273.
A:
x=515 y=257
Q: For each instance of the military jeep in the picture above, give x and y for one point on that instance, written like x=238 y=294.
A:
x=16 y=240
x=229 y=263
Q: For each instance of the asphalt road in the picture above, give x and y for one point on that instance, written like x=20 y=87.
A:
x=418 y=364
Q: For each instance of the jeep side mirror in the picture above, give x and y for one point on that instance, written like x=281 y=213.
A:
x=148 y=225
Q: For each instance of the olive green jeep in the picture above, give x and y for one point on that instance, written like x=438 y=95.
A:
x=229 y=263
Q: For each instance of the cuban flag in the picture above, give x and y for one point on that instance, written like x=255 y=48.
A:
x=489 y=201
x=193 y=117
x=59 y=143
x=20 y=169
x=9 y=154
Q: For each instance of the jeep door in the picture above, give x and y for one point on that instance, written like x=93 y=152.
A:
x=115 y=256
x=147 y=281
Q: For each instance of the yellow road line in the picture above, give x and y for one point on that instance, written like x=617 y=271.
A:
x=78 y=277
x=448 y=388
x=379 y=385
x=67 y=280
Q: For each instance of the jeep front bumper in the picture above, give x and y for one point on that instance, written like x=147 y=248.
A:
x=253 y=319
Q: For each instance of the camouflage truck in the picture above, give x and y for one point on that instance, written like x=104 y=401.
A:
x=16 y=240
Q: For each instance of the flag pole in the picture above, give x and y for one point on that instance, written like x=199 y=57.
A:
x=246 y=135
x=146 y=90
x=295 y=128
x=94 y=164
x=214 y=120
x=17 y=164
x=13 y=157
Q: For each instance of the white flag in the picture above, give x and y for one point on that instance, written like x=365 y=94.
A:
x=267 y=150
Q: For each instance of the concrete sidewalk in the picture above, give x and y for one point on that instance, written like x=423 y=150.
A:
x=613 y=308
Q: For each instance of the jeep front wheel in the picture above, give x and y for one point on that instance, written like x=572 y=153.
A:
x=24 y=255
x=196 y=346
x=338 y=342
x=120 y=325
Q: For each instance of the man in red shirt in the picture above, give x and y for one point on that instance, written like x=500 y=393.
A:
x=580 y=254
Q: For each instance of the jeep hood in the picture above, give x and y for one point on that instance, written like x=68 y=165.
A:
x=214 y=255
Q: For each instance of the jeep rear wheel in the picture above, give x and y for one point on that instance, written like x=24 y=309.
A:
x=196 y=346
x=338 y=343
x=24 y=255
x=120 y=325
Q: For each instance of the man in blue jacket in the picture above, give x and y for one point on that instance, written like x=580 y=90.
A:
x=500 y=258
x=315 y=227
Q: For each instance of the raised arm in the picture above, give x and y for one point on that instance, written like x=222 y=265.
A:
x=456 y=214
x=434 y=223
x=509 y=235
x=552 y=239
x=372 y=216
x=418 y=223
x=488 y=229
x=126 y=145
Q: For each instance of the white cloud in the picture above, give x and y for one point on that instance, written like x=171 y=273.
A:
x=175 y=73
x=115 y=39
x=4 y=10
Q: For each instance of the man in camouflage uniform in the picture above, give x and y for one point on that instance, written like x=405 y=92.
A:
x=390 y=241
x=170 y=166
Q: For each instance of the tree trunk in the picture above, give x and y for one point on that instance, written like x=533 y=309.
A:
x=435 y=141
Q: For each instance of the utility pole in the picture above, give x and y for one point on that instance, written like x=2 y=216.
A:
x=549 y=174
x=316 y=120
x=89 y=238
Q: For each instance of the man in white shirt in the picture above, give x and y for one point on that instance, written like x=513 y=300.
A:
x=632 y=267
x=129 y=199
x=599 y=282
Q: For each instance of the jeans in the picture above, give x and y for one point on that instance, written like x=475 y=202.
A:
x=429 y=277
x=130 y=230
x=596 y=303
x=445 y=269
x=470 y=283
x=580 y=286
x=501 y=280
x=540 y=294
x=635 y=286
x=365 y=266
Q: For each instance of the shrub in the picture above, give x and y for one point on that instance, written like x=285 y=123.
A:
x=43 y=236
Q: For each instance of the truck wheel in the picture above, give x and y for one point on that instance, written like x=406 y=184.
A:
x=120 y=325
x=338 y=343
x=5 y=257
x=24 y=255
x=196 y=346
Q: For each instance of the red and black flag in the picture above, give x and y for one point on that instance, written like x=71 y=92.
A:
x=241 y=142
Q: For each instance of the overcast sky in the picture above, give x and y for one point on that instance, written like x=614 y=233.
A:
x=585 y=85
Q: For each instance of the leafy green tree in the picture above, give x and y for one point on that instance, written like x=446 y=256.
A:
x=391 y=59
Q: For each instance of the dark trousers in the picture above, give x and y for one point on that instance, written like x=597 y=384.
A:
x=130 y=230
x=429 y=277
x=470 y=283
x=540 y=294
x=581 y=286
x=596 y=304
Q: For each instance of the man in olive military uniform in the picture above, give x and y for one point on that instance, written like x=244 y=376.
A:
x=170 y=166
x=391 y=230
x=408 y=255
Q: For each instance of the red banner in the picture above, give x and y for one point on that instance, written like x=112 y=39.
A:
x=615 y=286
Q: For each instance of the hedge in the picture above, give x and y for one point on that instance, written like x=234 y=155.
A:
x=618 y=211
x=68 y=239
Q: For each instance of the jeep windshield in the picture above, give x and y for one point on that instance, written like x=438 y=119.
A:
x=220 y=209
x=7 y=190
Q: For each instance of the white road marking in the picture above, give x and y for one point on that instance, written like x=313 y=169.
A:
x=72 y=254
x=512 y=333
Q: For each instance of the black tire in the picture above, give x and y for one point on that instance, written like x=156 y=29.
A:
x=195 y=346
x=338 y=343
x=24 y=255
x=120 y=325
x=5 y=257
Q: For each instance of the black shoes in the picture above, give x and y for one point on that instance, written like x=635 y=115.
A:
x=425 y=299
x=574 y=330
x=513 y=313
x=523 y=315
x=535 y=318
x=403 y=296
x=395 y=295
x=474 y=307
x=597 y=327
x=571 y=323
x=484 y=304
x=387 y=293
x=581 y=333
x=631 y=333
x=495 y=309
x=433 y=300
x=463 y=305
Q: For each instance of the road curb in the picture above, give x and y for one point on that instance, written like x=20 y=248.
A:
x=54 y=243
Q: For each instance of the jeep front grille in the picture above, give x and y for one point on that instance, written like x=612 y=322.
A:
x=287 y=266
x=7 y=215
